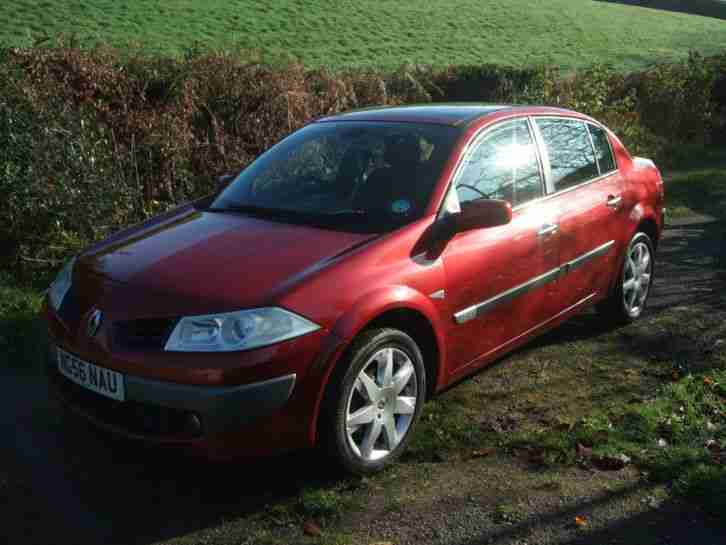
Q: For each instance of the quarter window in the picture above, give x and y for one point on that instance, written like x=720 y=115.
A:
x=572 y=160
x=603 y=152
x=503 y=165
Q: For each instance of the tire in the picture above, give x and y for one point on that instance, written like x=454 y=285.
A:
x=366 y=427
x=628 y=299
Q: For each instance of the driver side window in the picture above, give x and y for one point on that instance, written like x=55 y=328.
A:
x=315 y=159
x=503 y=165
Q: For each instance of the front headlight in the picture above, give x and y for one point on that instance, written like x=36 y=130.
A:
x=239 y=330
x=60 y=286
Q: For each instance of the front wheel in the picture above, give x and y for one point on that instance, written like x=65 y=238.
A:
x=627 y=301
x=374 y=401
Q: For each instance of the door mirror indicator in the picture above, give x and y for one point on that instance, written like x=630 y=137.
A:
x=483 y=213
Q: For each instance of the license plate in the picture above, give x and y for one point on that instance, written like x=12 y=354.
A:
x=103 y=381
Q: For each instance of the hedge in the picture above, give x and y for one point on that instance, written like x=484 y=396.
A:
x=91 y=140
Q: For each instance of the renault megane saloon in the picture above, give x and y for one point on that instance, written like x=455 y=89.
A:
x=361 y=265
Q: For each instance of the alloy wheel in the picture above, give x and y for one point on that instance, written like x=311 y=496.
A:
x=381 y=405
x=637 y=278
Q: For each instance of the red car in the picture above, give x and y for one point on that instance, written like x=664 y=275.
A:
x=364 y=263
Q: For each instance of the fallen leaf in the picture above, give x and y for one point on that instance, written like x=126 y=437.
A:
x=483 y=453
x=311 y=528
x=580 y=522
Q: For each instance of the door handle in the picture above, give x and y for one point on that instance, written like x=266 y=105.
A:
x=613 y=201
x=548 y=229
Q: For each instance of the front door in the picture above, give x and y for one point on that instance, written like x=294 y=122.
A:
x=499 y=281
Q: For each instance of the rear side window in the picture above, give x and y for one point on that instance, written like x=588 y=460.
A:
x=603 y=152
x=503 y=165
x=572 y=160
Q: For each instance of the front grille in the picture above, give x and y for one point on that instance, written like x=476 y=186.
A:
x=143 y=334
x=141 y=419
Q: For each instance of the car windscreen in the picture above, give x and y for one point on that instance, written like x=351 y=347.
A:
x=351 y=176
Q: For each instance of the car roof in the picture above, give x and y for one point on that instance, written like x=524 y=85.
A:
x=452 y=114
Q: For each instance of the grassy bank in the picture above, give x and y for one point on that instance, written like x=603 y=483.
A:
x=379 y=34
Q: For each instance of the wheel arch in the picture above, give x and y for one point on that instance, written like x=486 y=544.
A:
x=649 y=226
x=417 y=326
x=645 y=224
x=412 y=315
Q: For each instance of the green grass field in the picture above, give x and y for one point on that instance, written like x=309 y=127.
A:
x=385 y=33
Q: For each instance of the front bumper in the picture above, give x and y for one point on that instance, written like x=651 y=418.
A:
x=167 y=412
x=222 y=408
x=261 y=403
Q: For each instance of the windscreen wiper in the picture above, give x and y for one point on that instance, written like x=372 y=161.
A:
x=254 y=210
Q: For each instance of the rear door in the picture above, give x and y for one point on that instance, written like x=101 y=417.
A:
x=587 y=190
x=499 y=280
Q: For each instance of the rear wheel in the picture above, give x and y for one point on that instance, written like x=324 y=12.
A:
x=627 y=300
x=374 y=401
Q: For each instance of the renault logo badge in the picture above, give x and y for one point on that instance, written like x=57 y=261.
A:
x=94 y=322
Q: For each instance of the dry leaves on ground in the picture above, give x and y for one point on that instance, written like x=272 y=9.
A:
x=311 y=528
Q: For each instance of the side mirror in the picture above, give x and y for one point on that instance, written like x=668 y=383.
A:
x=224 y=180
x=483 y=213
x=477 y=214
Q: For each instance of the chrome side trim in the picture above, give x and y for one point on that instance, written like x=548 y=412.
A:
x=440 y=294
x=584 y=258
x=480 y=308
x=473 y=311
